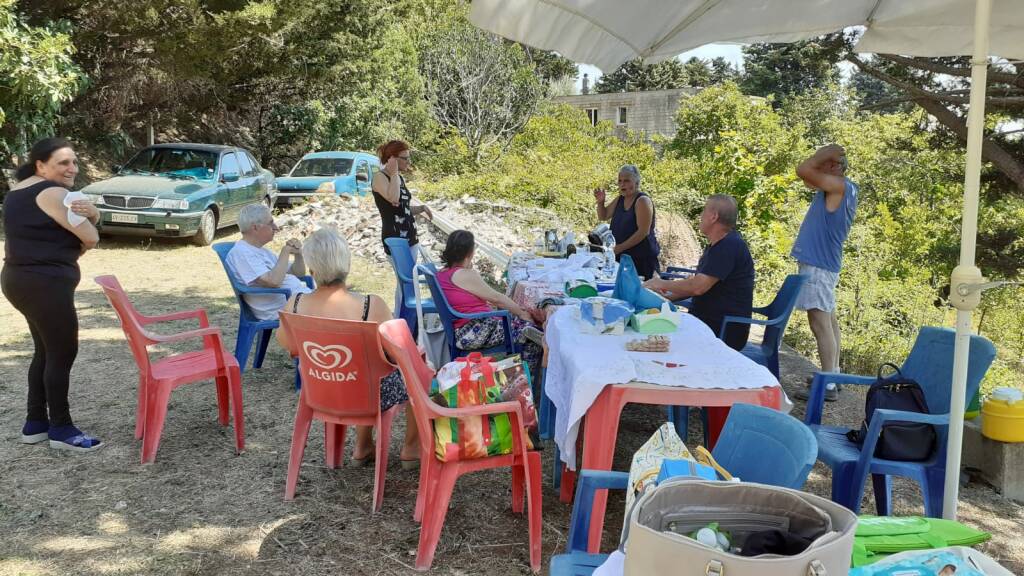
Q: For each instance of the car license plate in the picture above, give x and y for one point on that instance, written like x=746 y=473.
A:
x=126 y=218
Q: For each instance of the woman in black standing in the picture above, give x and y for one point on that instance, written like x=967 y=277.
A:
x=632 y=222
x=44 y=239
x=392 y=196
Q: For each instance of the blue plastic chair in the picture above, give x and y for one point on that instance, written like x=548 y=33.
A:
x=248 y=324
x=449 y=316
x=757 y=444
x=766 y=353
x=777 y=314
x=404 y=264
x=763 y=445
x=930 y=363
x=577 y=561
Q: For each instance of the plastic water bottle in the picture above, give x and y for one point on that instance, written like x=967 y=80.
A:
x=609 y=262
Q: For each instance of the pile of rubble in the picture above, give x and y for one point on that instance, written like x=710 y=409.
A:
x=503 y=227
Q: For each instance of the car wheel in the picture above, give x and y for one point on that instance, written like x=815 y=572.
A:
x=207 y=229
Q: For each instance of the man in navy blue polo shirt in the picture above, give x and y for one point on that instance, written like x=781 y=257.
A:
x=818 y=250
x=724 y=282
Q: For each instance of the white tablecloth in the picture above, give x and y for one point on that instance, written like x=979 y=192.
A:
x=558 y=271
x=581 y=365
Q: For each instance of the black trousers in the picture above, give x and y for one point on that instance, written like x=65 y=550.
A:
x=48 y=304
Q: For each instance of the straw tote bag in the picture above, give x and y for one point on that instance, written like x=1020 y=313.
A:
x=655 y=544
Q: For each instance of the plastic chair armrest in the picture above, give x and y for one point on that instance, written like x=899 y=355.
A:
x=742 y=320
x=684 y=302
x=673 y=276
x=589 y=482
x=816 y=400
x=762 y=310
x=476 y=315
x=201 y=332
x=197 y=313
x=680 y=269
x=889 y=415
x=242 y=289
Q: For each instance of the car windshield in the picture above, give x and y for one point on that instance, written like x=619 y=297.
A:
x=322 y=167
x=181 y=163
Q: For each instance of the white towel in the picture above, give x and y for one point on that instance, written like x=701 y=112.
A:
x=74 y=219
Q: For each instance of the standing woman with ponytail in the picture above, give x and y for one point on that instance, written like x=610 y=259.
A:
x=44 y=238
x=394 y=202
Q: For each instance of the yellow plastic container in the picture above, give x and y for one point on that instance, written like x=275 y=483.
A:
x=1001 y=418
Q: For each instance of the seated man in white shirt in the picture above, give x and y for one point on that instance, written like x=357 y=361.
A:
x=256 y=266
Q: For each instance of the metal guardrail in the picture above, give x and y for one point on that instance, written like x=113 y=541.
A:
x=496 y=255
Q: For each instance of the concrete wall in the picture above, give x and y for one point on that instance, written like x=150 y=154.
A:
x=652 y=112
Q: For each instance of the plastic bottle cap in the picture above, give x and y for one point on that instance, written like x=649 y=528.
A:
x=707 y=537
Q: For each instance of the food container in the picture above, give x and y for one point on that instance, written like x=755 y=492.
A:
x=652 y=321
x=1002 y=415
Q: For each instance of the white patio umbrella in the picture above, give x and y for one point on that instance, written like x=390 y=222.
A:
x=607 y=33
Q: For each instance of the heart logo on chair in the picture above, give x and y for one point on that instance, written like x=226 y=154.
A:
x=327 y=357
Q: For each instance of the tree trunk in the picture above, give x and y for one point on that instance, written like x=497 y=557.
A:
x=991 y=151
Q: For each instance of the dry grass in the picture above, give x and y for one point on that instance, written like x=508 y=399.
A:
x=202 y=509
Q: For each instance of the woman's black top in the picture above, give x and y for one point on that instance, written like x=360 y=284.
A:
x=34 y=241
x=396 y=221
x=623 y=225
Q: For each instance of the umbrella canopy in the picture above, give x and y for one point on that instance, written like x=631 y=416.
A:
x=607 y=33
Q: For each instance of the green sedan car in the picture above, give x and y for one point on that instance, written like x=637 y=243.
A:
x=181 y=190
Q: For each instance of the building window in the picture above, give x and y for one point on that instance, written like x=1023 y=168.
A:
x=622 y=115
x=592 y=115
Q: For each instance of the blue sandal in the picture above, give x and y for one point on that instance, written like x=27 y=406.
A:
x=35 y=431
x=73 y=439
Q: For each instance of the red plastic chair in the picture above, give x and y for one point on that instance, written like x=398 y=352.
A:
x=341 y=366
x=158 y=379
x=437 y=478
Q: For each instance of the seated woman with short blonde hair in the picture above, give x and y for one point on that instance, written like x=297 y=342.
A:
x=328 y=258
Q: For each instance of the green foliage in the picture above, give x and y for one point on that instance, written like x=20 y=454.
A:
x=635 y=76
x=556 y=162
x=37 y=76
x=480 y=86
x=786 y=69
x=737 y=145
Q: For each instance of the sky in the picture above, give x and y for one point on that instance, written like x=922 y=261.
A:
x=731 y=52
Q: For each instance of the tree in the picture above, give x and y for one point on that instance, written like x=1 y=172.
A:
x=37 y=77
x=785 y=69
x=479 y=85
x=698 y=72
x=635 y=76
x=939 y=86
x=722 y=71
x=549 y=66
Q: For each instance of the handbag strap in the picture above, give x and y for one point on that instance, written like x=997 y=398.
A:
x=895 y=368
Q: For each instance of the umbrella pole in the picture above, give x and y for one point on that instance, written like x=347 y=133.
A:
x=967 y=273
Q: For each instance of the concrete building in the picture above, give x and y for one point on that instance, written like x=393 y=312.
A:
x=652 y=112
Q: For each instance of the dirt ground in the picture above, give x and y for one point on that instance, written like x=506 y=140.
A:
x=202 y=509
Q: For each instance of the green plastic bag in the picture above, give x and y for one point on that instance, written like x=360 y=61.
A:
x=879 y=536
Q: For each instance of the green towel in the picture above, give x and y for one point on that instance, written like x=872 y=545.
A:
x=879 y=536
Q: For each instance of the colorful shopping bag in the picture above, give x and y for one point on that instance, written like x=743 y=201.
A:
x=475 y=436
x=513 y=378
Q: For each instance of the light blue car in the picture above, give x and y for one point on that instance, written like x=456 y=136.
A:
x=328 y=173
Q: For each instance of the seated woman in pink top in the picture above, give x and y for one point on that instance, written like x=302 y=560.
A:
x=467 y=292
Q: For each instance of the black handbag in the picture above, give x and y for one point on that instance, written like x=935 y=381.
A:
x=899 y=440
